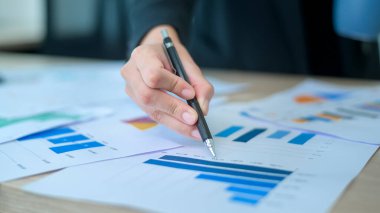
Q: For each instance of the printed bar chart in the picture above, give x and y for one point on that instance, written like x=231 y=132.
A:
x=246 y=183
x=372 y=106
x=357 y=113
x=324 y=117
x=311 y=118
x=52 y=136
x=300 y=139
x=319 y=97
x=365 y=110
x=74 y=147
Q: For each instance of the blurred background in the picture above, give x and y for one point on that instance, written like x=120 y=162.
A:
x=99 y=29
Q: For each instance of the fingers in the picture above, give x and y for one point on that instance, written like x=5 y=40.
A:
x=152 y=100
x=151 y=65
x=148 y=76
x=169 y=121
x=164 y=79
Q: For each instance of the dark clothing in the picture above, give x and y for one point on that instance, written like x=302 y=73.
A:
x=269 y=35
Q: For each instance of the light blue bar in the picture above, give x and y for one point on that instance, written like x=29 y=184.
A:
x=229 y=131
x=74 y=147
x=244 y=200
x=302 y=138
x=236 y=180
x=47 y=133
x=279 y=134
x=72 y=138
x=247 y=191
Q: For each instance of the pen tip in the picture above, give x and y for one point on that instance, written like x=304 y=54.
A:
x=209 y=144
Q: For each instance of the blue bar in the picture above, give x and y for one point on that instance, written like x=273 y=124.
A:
x=236 y=180
x=229 y=131
x=72 y=138
x=47 y=133
x=302 y=138
x=246 y=191
x=279 y=134
x=212 y=170
x=244 y=200
x=74 y=147
x=226 y=165
x=331 y=95
x=249 y=135
x=316 y=118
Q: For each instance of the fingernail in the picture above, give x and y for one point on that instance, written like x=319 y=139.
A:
x=195 y=134
x=189 y=118
x=187 y=93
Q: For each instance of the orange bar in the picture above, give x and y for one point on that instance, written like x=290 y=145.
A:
x=306 y=99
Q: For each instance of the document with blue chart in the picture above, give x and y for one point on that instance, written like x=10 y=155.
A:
x=98 y=140
x=351 y=113
x=259 y=168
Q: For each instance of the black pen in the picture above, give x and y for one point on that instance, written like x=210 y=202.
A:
x=180 y=71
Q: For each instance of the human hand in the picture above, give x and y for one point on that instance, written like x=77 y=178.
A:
x=148 y=75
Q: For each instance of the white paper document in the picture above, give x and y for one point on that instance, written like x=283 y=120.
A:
x=260 y=168
x=36 y=100
x=58 y=86
x=28 y=97
x=345 y=112
x=120 y=135
x=225 y=87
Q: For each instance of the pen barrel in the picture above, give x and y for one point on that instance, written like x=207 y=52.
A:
x=201 y=123
x=175 y=59
x=180 y=71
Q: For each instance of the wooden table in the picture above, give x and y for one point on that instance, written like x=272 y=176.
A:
x=363 y=195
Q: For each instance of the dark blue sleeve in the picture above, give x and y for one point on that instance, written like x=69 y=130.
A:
x=146 y=14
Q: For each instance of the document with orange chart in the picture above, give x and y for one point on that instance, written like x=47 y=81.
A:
x=351 y=113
